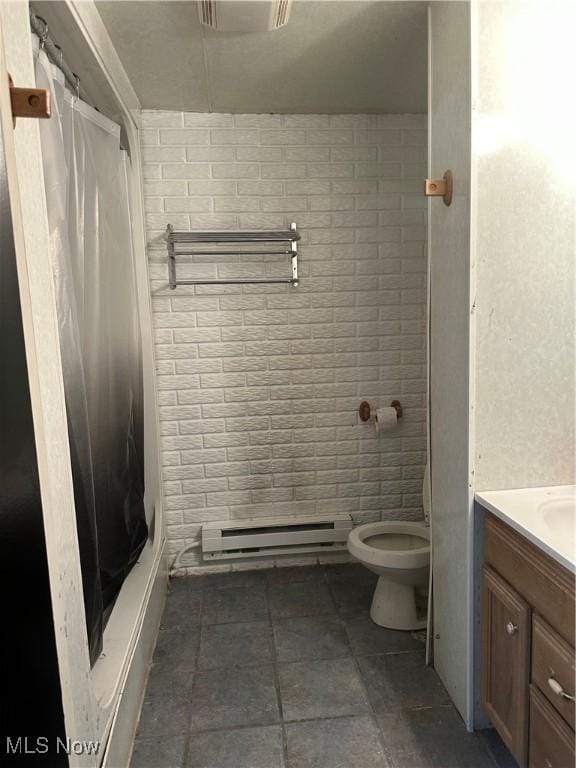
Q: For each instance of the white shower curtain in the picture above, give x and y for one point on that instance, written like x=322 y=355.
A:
x=92 y=257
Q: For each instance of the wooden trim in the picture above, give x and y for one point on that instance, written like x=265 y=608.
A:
x=545 y=584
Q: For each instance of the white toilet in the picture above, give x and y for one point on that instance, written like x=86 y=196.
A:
x=399 y=552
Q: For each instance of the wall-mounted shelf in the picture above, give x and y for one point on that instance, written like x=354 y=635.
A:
x=240 y=238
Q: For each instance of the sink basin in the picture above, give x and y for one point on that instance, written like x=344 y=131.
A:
x=545 y=515
x=559 y=517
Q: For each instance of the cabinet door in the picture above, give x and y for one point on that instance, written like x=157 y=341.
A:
x=506 y=647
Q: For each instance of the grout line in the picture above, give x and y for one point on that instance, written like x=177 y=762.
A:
x=373 y=715
x=194 y=673
x=276 y=673
x=273 y=723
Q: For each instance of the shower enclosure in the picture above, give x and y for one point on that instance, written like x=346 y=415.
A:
x=95 y=529
x=86 y=180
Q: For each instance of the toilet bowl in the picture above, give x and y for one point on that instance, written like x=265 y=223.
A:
x=399 y=553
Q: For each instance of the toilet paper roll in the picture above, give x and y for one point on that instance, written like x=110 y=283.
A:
x=386 y=419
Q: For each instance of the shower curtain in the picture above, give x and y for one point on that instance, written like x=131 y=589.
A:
x=86 y=178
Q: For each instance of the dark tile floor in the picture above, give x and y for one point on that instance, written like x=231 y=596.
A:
x=284 y=669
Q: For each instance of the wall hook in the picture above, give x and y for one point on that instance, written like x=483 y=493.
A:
x=28 y=102
x=440 y=187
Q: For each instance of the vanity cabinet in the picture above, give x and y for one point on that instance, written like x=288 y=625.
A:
x=528 y=665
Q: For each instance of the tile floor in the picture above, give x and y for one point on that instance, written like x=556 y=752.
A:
x=284 y=669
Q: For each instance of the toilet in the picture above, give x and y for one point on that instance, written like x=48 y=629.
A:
x=399 y=553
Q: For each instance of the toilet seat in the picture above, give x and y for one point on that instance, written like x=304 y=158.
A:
x=361 y=549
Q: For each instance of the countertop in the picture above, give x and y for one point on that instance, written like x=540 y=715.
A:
x=545 y=516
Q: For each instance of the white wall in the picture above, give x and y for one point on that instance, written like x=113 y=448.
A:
x=259 y=386
x=523 y=130
x=449 y=50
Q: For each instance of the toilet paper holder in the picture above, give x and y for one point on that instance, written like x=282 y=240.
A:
x=365 y=411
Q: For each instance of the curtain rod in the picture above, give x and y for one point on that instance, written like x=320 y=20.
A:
x=54 y=52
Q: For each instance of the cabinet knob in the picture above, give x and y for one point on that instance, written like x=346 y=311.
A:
x=511 y=628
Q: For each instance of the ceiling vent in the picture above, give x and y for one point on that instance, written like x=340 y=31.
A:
x=244 y=15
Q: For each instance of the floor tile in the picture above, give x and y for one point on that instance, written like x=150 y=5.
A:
x=183 y=609
x=400 y=680
x=310 y=637
x=242 y=748
x=295 y=574
x=230 y=701
x=234 y=604
x=299 y=599
x=230 y=645
x=235 y=579
x=164 y=715
x=187 y=584
x=499 y=751
x=350 y=573
x=164 y=680
x=367 y=638
x=352 y=597
x=177 y=648
x=340 y=743
x=433 y=737
x=316 y=689
x=231 y=697
x=159 y=753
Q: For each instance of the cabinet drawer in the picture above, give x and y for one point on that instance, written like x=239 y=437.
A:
x=552 y=658
x=546 y=585
x=551 y=741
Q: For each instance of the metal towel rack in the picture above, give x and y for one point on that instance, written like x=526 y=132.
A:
x=291 y=236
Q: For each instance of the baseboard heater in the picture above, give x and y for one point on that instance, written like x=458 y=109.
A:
x=268 y=537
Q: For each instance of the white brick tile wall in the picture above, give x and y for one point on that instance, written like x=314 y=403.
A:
x=258 y=386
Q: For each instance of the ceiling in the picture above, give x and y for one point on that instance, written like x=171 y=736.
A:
x=332 y=57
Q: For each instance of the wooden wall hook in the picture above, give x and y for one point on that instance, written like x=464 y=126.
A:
x=29 y=102
x=443 y=187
